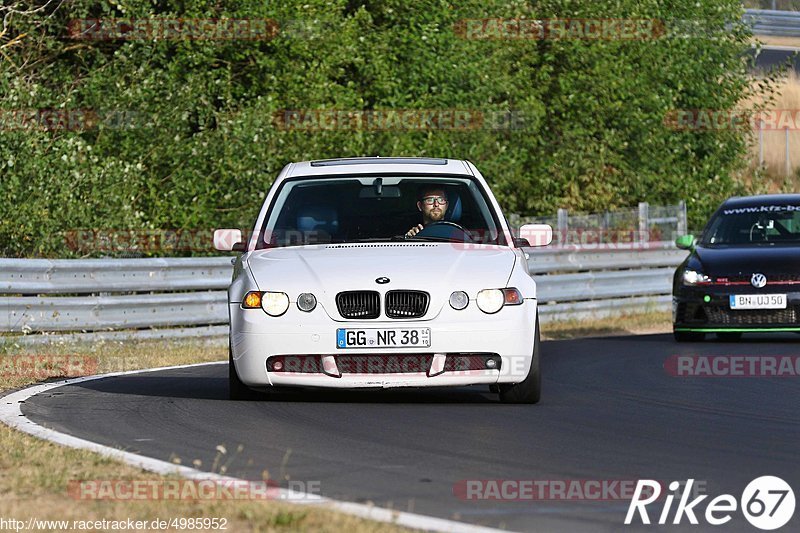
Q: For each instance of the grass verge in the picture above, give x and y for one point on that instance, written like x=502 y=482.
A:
x=626 y=324
x=35 y=475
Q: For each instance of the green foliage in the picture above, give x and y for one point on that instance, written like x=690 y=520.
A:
x=187 y=138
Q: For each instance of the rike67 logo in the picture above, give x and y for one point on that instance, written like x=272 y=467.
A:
x=767 y=503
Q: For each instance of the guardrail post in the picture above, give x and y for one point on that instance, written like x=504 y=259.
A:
x=788 y=159
x=644 y=225
x=683 y=225
x=562 y=220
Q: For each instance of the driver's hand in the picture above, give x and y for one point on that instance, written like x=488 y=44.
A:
x=413 y=231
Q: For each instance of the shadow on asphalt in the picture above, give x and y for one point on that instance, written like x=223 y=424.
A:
x=216 y=388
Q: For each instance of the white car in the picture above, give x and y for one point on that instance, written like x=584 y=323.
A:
x=383 y=272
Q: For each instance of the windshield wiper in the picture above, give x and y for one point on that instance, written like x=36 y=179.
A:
x=369 y=239
x=426 y=238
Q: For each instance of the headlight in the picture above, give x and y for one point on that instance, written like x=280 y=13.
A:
x=490 y=300
x=275 y=303
x=306 y=302
x=692 y=277
x=459 y=300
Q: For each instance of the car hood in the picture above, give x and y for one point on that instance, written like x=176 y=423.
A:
x=745 y=260
x=437 y=268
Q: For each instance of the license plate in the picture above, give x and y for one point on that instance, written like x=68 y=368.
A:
x=758 y=301
x=383 y=338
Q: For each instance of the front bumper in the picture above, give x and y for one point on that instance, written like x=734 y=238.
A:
x=707 y=309
x=508 y=334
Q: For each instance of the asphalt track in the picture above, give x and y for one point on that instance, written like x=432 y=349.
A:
x=610 y=411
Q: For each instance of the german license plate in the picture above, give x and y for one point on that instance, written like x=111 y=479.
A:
x=383 y=338
x=758 y=301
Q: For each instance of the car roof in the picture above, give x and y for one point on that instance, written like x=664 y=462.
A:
x=746 y=201
x=378 y=165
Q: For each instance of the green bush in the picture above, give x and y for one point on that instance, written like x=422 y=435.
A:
x=187 y=139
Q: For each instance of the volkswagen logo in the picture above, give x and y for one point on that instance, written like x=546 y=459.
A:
x=758 y=280
x=382 y=280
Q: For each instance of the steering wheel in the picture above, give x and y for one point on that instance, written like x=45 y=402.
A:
x=434 y=229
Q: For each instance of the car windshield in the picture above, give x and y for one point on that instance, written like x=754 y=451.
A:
x=378 y=208
x=754 y=225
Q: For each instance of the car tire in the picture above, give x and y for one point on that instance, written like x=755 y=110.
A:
x=688 y=336
x=237 y=390
x=528 y=390
x=729 y=336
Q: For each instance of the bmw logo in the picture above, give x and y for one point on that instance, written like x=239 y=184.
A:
x=758 y=280
x=382 y=280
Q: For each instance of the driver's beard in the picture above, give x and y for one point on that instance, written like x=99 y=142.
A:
x=434 y=217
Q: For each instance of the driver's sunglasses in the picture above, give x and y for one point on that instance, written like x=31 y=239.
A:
x=428 y=200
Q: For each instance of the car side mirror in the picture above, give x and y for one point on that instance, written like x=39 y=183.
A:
x=535 y=235
x=229 y=240
x=685 y=242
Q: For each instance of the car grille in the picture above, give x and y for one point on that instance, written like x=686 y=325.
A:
x=723 y=315
x=359 y=304
x=383 y=364
x=691 y=313
x=406 y=304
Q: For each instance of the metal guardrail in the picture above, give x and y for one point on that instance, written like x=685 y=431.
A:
x=579 y=283
x=122 y=294
x=83 y=276
x=772 y=22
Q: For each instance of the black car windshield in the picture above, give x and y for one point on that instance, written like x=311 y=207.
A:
x=754 y=225
x=379 y=208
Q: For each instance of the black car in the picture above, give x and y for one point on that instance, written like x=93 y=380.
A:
x=743 y=273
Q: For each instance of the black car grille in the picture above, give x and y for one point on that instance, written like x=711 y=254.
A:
x=406 y=304
x=689 y=312
x=359 y=304
x=751 y=317
x=384 y=364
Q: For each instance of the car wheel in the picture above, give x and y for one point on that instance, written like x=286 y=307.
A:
x=236 y=389
x=729 y=336
x=530 y=389
x=688 y=336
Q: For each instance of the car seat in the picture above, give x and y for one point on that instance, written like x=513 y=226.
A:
x=317 y=222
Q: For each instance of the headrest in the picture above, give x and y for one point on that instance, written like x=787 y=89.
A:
x=453 y=213
x=317 y=218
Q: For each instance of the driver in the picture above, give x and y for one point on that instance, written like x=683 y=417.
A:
x=432 y=202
